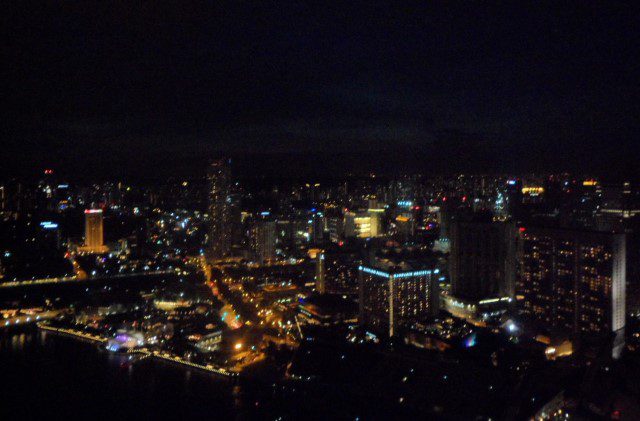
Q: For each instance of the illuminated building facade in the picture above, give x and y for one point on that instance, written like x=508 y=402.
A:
x=532 y=194
x=210 y=342
x=219 y=178
x=49 y=235
x=393 y=297
x=336 y=228
x=361 y=225
x=336 y=271
x=93 y=232
x=320 y=276
x=327 y=310
x=264 y=240
x=574 y=280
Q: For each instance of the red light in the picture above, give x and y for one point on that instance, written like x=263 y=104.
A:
x=416 y=207
x=522 y=229
x=444 y=199
x=48 y=171
x=464 y=198
x=93 y=211
x=341 y=243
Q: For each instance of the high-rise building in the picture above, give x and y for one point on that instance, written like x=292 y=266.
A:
x=444 y=215
x=320 y=276
x=49 y=235
x=396 y=296
x=93 y=232
x=405 y=227
x=513 y=193
x=319 y=226
x=619 y=207
x=482 y=267
x=336 y=270
x=574 y=281
x=3 y=199
x=219 y=177
x=483 y=258
x=361 y=225
x=264 y=240
x=336 y=228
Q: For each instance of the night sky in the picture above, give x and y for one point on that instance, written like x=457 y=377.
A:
x=98 y=89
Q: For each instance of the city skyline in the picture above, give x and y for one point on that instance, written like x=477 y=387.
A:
x=320 y=210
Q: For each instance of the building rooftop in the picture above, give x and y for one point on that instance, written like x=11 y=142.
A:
x=329 y=305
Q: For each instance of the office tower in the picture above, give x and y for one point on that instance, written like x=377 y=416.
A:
x=619 y=207
x=396 y=296
x=336 y=228
x=264 y=240
x=318 y=222
x=445 y=216
x=219 y=178
x=236 y=234
x=483 y=258
x=93 y=232
x=513 y=192
x=405 y=227
x=482 y=265
x=301 y=230
x=574 y=281
x=284 y=233
x=44 y=197
x=320 y=276
x=49 y=236
x=361 y=225
x=337 y=272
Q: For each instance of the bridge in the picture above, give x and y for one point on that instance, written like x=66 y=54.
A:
x=146 y=353
x=24 y=319
x=75 y=279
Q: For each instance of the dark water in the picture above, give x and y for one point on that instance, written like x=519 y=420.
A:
x=45 y=376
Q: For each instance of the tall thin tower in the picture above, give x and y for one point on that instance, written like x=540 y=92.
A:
x=219 y=177
x=93 y=232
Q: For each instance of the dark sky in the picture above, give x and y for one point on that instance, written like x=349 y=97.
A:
x=446 y=86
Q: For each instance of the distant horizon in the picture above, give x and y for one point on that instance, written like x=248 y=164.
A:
x=130 y=90
x=296 y=165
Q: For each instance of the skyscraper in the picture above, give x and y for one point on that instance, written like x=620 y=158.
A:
x=320 y=276
x=396 y=296
x=574 y=281
x=219 y=178
x=93 y=232
x=483 y=258
x=264 y=239
x=482 y=267
x=361 y=225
